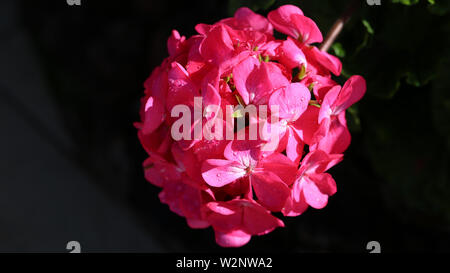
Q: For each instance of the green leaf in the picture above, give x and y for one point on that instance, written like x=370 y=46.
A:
x=439 y=8
x=406 y=2
x=368 y=26
x=338 y=50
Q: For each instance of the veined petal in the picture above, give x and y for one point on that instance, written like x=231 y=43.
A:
x=219 y=172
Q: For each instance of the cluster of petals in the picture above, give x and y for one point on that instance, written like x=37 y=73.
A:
x=234 y=186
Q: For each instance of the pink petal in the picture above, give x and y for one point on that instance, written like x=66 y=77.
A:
x=278 y=145
x=235 y=238
x=319 y=161
x=246 y=152
x=174 y=43
x=294 y=208
x=218 y=172
x=337 y=139
x=156 y=85
x=313 y=196
x=196 y=66
x=327 y=106
x=294 y=147
x=190 y=202
x=240 y=187
x=181 y=88
x=263 y=81
x=170 y=195
x=292 y=100
x=308 y=31
x=158 y=171
x=328 y=61
x=307 y=124
x=187 y=162
x=223 y=208
x=249 y=20
x=270 y=49
x=290 y=54
x=280 y=165
x=353 y=90
x=209 y=149
x=154 y=115
x=224 y=216
x=212 y=99
x=196 y=223
x=281 y=19
x=157 y=142
x=258 y=220
x=203 y=29
x=321 y=86
x=324 y=182
x=217 y=47
x=243 y=215
x=271 y=191
x=240 y=75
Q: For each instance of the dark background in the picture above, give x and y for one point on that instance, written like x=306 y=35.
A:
x=70 y=162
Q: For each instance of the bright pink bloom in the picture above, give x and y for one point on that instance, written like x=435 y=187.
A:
x=333 y=135
x=269 y=176
x=312 y=186
x=235 y=185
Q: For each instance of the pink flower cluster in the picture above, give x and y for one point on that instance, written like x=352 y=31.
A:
x=233 y=185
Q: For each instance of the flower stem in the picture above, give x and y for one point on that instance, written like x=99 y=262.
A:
x=339 y=25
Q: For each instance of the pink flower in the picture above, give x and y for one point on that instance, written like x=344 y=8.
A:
x=312 y=186
x=333 y=135
x=234 y=185
x=269 y=175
